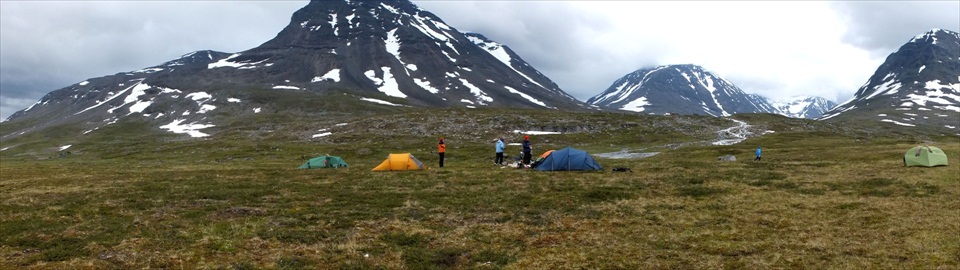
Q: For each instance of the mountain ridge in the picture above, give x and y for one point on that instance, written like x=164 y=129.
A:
x=691 y=89
x=385 y=53
x=917 y=85
x=810 y=107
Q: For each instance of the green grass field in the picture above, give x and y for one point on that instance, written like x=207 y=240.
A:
x=822 y=198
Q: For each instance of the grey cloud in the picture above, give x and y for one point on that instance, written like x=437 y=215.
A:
x=769 y=88
x=553 y=37
x=883 y=26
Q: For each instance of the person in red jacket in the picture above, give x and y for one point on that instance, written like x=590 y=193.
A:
x=441 y=148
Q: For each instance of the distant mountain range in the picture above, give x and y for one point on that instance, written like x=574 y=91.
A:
x=803 y=106
x=381 y=55
x=691 y=89
x=918 y=85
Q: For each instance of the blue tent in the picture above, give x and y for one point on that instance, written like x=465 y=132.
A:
x=568 y=159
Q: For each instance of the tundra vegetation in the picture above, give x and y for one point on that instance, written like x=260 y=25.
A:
x=825 y=196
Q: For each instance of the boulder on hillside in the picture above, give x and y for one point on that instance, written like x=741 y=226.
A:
x=727 y=158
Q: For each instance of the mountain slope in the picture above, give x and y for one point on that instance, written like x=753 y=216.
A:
x=916 y=86
x=678 y=89
x=379 y=53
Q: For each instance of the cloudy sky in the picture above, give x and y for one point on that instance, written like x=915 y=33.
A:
x=777 y=49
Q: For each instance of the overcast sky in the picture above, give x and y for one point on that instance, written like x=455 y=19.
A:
x=776 y=49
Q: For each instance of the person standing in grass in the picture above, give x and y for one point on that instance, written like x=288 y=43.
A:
x=441 y=149
x=500 y=147
x=758 y=154
x=527 y=150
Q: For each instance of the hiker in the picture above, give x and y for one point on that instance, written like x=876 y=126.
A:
x=527 y=150
x=758 y=154
x=441 y=148
x=500 y=146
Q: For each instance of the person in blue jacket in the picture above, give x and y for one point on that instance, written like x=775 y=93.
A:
x=527 y=150
x=758 y=154
x=500 y=146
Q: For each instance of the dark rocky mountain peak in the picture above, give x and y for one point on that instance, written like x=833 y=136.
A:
x=918 y=85
x=678 y=89
x=388 y=54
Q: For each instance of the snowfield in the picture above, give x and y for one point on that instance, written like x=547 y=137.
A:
x=192 y=129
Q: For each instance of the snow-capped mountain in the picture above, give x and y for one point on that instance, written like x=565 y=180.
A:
x=918 y=85
x=679 y=89
x=390 y=53
x=803 y=106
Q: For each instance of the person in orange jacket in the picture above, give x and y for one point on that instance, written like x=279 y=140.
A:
x=441 y=148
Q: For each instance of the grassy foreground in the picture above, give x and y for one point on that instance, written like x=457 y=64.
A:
x=816 y=201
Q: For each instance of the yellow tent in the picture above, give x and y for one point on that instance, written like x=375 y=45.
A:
x=400 y=162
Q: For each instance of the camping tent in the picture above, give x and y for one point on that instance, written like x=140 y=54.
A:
x=400 y=162
x=539 y=159
x=928 y=156
x=324 y=162
x=568 y=159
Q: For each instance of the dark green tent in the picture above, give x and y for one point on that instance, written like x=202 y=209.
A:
x=324 y=162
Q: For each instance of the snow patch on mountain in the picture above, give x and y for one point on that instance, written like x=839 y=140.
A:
x=321 y=135
x=332 y=75
x=199 y=96
x=333 y=24
x=148 y=70
x=898 y=123
x=392 y=44
x=379 y=101
x=134 y=97
x=707 y=81
x=107 y=100
x=388 y=85
x=286 y=87
x=239 y=65
x=535 y=132
x=206 y=108
x=637 y=105
x=936 y=85
x=426 y=85
x=528 y=97
x=482 y=97
x=192 y=129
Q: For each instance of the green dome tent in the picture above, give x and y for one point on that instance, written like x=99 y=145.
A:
x=927 y=156
x=324 y=162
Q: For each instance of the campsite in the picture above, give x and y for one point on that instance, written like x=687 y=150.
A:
x=824 y=196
